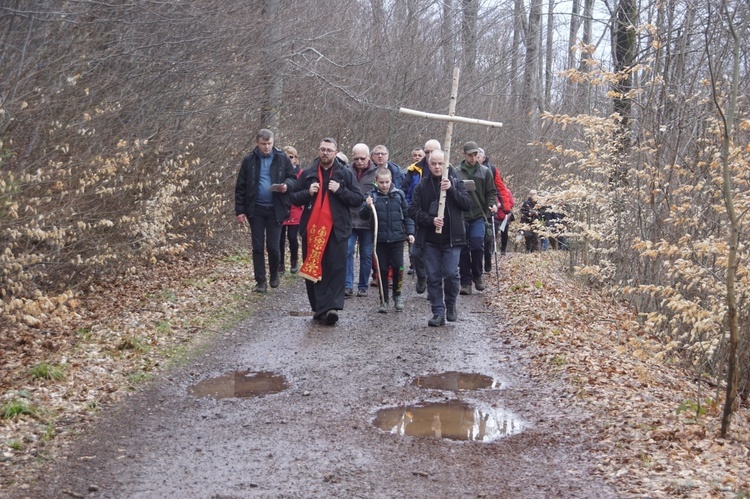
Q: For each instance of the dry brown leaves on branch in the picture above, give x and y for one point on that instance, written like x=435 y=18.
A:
x=656 y=428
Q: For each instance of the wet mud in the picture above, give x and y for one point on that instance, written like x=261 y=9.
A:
x=339 y=420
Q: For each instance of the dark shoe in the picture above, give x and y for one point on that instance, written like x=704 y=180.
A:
x=450 y=314
x=281 y=270
x=374 y=283
x=465 y=289
x=362 y=292
x=479 y=284
x=436 y=321
x=421 y=285
x=410 y=271
x=294 y=268
x=331 y=317
x=488 y=268
x=348 y=293
x=383 y=309
x=502 y=252
x=275 y=281
x=398 y=303
x=261 y=287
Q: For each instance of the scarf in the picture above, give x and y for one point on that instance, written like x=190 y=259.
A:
x=318 y=231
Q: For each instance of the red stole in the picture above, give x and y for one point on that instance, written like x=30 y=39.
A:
x=318 y=231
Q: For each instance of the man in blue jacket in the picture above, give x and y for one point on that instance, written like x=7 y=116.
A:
x=261 y=198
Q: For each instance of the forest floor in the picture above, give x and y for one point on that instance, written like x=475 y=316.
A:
x=600 y=410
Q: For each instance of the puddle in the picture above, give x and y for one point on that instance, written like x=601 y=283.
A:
x=240 y=384
x=454 y=420
x=455 y=381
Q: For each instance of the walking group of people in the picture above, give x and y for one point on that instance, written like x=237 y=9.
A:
x=449 y=217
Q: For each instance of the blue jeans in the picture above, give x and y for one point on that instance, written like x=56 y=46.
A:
x=365 y=258
x=441 y=265
x=472 y=255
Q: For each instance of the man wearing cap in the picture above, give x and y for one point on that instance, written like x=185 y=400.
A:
x=483 y=206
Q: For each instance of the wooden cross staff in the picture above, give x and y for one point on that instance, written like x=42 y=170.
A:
x=450 y=118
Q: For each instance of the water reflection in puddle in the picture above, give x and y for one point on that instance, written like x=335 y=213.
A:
x=240 y=384
x=454 y=420
x=454 y=380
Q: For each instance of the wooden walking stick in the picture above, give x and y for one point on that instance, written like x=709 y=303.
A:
x=375 y=252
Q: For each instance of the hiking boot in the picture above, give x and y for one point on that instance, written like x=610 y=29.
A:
x=487 y=268
x=348 y=293
x=479 y=284
x=421 y=285
x=294 y=268
x=374 y=283
x=281 y=270
x=261 y=287
x=332 y=317
x=362 y=292
x=465 y=289
x=410 y=271
x=383 y=309
x=450 y=314
x=275 y=281
x=436 y=321
x=398 y=303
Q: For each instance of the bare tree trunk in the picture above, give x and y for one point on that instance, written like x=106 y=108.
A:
x=273 y=78
x=575 y=23
x=548 y=58
x=737 y=32
x=623 y=53
x=469 y=31
x=449 y=38
x=530 y=92
x=584 y=96
x=519 y=34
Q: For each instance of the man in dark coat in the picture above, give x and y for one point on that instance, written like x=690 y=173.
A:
x=440 y=252
x=327 y=190
x=261 y=198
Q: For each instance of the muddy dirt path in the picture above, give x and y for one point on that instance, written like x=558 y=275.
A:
x=316 y=438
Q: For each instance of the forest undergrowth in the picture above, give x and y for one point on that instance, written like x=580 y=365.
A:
x=654 y=426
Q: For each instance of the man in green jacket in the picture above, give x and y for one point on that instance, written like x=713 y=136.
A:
x=483 y=207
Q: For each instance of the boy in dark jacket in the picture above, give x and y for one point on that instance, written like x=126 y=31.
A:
x=394 y=227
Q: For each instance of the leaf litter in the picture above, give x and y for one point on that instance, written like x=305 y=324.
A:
x=651 y=436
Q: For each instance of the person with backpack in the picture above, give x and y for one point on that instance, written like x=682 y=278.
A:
x=504 y=209
x=394 y=227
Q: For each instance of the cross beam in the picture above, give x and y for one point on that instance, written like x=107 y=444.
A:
x=450 y=118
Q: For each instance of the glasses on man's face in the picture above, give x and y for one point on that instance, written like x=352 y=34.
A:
x=380 y=154
x=325 y=150
x=359 y=159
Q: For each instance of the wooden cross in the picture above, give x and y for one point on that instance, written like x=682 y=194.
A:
x=450 y=118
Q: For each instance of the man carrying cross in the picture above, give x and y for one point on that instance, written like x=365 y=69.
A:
x=327 y=190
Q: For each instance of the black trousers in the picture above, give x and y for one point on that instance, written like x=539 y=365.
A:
x=289 y=232
x=391 y=256
x=328 y=293
x=265 y=232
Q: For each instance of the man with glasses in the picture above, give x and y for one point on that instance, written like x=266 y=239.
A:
x=261 y=199
x=327 y=190
x=364 y=172
x=414 y=174
x=380 y=157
